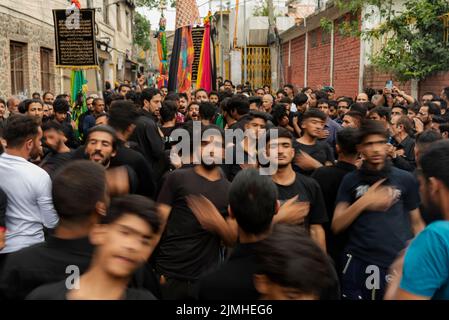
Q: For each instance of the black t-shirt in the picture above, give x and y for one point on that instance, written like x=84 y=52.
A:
x=329 y=179
x=186 y=250
x=58 y=291
x=377 y=237
x=320 y=151
x=233 y=280
x=308 y=191
x=53 y=161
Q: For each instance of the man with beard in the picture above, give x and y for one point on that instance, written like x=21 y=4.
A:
x=28 y=187
x=422 y=274
x=380 y=205
x=426 y=114
x=54 y=139
x=193 y=112
x=187 y=251
x=147 y=134
x=89 y=120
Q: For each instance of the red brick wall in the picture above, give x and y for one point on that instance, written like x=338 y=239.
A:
x=297 y=61
x=318 y=69
x=346 y=64
x=376 y=80
x=434 y=83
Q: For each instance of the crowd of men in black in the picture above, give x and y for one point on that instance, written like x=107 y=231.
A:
x=94 y=205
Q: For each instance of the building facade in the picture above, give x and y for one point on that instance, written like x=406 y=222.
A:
x=27 y=46
x=313 y=57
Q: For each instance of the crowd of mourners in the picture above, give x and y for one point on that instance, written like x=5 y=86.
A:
x=98 y=200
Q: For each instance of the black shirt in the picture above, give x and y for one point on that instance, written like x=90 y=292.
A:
x=146 y=180
x=377 y=237
x=407 y=161
x=43 y=263
x=186 y=251
x=308 y=191
x=234 y=279
x=147 y=136
x=329 y=179
x=320 y=151
x=58 y=291
x=53 y=161
x=46 y=262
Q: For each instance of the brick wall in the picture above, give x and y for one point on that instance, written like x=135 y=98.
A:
x=297 y=61
x=375 y=79
x=346 y=63
x=434 y=83
x=318 y=65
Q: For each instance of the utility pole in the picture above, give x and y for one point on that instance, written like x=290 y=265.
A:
x=222 y=42
x=245 y=66
x=273 y=50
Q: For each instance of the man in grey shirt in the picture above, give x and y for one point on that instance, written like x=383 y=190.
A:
x=27 y=187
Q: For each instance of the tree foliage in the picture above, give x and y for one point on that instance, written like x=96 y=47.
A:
x=142 y=32
x=412 y=45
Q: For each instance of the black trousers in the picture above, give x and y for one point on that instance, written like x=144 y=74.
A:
x=178 y=289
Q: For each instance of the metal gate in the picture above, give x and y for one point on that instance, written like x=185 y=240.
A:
x=258 y=66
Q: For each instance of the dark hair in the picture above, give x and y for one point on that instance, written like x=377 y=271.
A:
x=200 y=90
x=322 y=101
x=356 y=115
x=288 y=85
x=300 y=99
x=77 y=187
x=172 y=96
x=207 y=110
x=446 y=92
x=252 y=198
x=347 y=140
x=370 y=128
x=103 y=114
x=183 y=95
x=46 y=93
x=428 y=93
x=360 y=108
x=285 y=100
x=148 y=94
x=290 y=258
x=107 y=129
x=61 y=105
x=281 y=91
x=414 y=108
x=433 y=109
x=2 y=101
x=136 y=205
x=214 y=93
x=434 y=159
x=444 y=127
x=94 y=103
x=238 y=103
x=427 y=137
x=133 y=96
x=406 y=123
x=253 y=114
x=255 y=99
x=305 y=89
x=168 y=111
x=227 y=81
x=321 y=95
x=314 y=113
x=346 y=100
x=123 y=85
x=52 y=125
x=19 y=128
x=36 y=94
x=279 y=112
x=28 y=102
x=278 y=132
x=383 y=112
x=62 y=96
x=400 y=106
x=122 y=114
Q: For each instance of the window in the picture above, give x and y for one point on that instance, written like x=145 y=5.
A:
x=17 y=57
x=313 y=39
x=127 y=22
x=119 y=19
x=106 y=11
x=325 y=36
x=46 y=55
